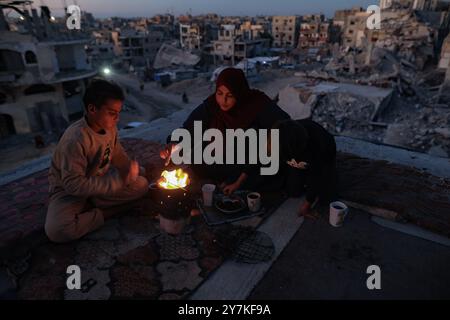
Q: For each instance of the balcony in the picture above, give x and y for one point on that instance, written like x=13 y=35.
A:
x=70 y=75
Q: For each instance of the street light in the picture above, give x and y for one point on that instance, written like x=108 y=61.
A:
x=106 y=71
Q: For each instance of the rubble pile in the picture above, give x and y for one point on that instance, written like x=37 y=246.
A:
x=402 y=50
x=431 y=132
x=402 y=56
x=347 y=114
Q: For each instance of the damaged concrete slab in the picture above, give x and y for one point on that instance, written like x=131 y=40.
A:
x=168 y=56
x=299 y=100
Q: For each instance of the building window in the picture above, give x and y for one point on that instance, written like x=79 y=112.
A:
x=11 y=61
x=30 y=57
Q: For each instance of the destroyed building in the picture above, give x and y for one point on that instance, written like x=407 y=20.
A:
x=314 y=32
x=43 y=73
x=285 y=31
x=406 y=44
x=169 y=56
x=197 y=36
x=355 y=28
x=191 y=37
x=101 y=50
x=234 y=45
x=340 y=24
x=408 y=58
x=137 y=48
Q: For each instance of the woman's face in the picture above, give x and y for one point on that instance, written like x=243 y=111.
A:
x=225 y=98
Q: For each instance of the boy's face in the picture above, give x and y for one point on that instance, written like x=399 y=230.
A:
x=107 y=116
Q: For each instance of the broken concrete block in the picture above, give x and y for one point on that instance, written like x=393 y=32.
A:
x=296 y=102
x=398 y=135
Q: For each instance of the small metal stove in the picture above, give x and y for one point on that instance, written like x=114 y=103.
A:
x=173 y=199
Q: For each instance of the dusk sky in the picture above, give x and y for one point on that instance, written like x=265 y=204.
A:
x=131 y=8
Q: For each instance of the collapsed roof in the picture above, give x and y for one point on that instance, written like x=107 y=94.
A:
x=169 y=56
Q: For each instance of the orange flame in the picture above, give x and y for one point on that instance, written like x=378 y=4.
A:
x=175 y=179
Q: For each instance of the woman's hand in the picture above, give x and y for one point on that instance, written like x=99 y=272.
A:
x=231 y=188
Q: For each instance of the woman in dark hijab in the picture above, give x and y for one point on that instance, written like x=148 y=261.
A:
x=233 y=106
x=308 y=153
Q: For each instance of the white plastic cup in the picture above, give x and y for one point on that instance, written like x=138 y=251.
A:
x=208 y=192
x=254 y=201
x=338 y=212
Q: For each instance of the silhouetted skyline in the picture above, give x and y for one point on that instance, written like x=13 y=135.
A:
x=147 y=8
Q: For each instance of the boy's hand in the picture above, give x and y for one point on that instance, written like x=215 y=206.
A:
x=166 y=153
x=133 y=172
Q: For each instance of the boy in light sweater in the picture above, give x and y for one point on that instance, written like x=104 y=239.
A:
x=84 y=190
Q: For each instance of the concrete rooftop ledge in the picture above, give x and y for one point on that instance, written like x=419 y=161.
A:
x=26 y=169
x=437 y=166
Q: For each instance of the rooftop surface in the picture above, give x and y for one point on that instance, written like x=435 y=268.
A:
x=312 y=259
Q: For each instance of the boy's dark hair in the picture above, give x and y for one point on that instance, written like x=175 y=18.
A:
x=99 y=91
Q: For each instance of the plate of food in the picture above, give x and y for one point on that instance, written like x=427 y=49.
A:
x=229 y=204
